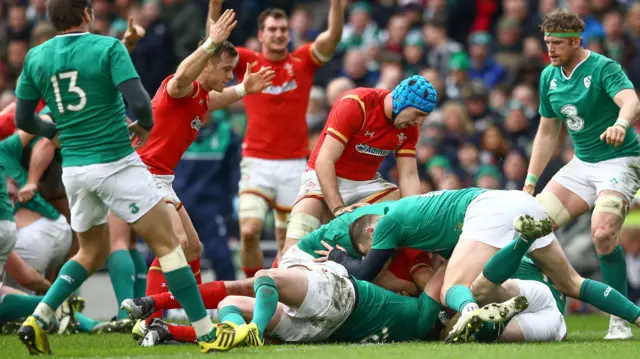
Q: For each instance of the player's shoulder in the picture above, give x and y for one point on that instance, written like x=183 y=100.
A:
x=365 y=94
x=547 y=73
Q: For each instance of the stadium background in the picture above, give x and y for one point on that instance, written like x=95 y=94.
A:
x=483 y=56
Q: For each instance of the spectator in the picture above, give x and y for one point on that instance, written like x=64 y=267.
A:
x=355 y=68
x=483 y=66
x=618 y=45
x=457 y=124
x=393 y=37
x=413 y=53
x=476 y=100
x=509 y=46
x=316 y=112
x=458 y=75
x=516 y=125
x=37 y=11
x=19 y=27
x=488 y=177
x=515 y=169
x=494 y=145
x=360 y=31
x=391 y=73
x=449 y=181
x=592 y=25
x=437 y=167
x=301 y=29
x=468 y=159
x=337 y=87
x=440 y=46
x=42 y=32
x=518 y=10
x=16 y=52
x=186 y=25
x=438 y=83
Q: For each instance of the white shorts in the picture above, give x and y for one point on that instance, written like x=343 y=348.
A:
x=351 y=191
x=8 y=238
x=489 y=218
x=294 y=256
x=277 y=181
x=125 y=186
x=329 y=302
x=43 y=244
x=587 y=180
x=164 y=183
x=541 y=321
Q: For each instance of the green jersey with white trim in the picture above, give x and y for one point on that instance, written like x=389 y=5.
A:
x=78 y=74
x=6 y=210
x=336 y=232
x=430 y=222
x=584 y=101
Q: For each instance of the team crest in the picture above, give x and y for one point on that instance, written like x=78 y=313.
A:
x=553 y=85
x=196 y=124
x=401 y=138
x=289 y=68
x=587 y=81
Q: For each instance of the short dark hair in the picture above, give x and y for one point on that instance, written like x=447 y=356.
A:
x=65 y=14
x=270 y=12
x=358 y=230
x=226 y=47
x=562 y=21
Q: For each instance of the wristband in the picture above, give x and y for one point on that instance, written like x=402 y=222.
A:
x=622 y=122
x=209 y=47
x=531 y=179
x=240 y=91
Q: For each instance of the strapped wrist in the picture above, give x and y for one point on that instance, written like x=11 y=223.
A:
x=531 y=179
x=622 y=122
x=240 y=90
x=209 y=46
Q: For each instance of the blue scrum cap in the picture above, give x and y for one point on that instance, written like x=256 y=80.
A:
x=414 y=91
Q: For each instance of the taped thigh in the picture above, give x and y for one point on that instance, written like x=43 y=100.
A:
x=301 y=224
x=252 y=206
x=554 y=208
x=610 y=203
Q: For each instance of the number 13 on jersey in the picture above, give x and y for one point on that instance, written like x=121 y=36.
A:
x=72 y=76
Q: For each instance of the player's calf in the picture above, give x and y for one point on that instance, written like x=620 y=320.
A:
x=250 y=251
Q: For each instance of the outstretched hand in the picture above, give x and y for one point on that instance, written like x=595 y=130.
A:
x=220 y=30
x=133 y=34
x=255 y=82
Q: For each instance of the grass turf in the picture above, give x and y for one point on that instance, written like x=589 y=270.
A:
x=585 y=341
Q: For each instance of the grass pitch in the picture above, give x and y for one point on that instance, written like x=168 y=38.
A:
x=585 y=341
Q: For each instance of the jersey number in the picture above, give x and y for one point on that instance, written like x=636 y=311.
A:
x=73 y=78
x=574 y=122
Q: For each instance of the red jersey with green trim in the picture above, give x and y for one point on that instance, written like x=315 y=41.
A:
x=277 y=116
x=358 y=121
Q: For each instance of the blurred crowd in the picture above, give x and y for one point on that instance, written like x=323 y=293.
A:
x=483 y=56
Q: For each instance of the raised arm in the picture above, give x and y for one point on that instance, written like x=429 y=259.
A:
x=133 y=35
x=251 y=84
x=215 y=9
x=326 y=43
x=190 y=68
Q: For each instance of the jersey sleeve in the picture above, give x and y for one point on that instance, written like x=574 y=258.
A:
x=120 y=65
x=244 y=56
x=310 y=56
x=613 y=79
x=386 y=234
x=408 y=147
x=545 y=109
x=346 y=119
x=27 y=89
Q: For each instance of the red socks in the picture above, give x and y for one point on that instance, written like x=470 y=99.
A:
x=212 y=294
x=183 y=333
x=156 y=284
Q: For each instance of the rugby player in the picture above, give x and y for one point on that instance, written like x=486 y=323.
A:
x=8 y=232
x=597 y=102
x=364 y=126
x=44 y=236
x=276 y=140
x=180 y=106
x=474 y=224
x=82 y=76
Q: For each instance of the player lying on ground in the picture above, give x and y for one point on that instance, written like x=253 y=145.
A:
x=474 y=224
x=363 y=127
x=180 y=106
x=595 y=99
x=101 y=169
x=44 y=237
x=275 y=145
x=334 y=233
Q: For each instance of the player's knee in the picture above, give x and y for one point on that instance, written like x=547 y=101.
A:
x=301 y=224
x=250 y=229
x=604 y=238
x=265 y=273
x=554 y=208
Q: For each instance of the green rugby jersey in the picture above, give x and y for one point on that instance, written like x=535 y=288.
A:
x=77 y=74
x=10 y=154
x=430 y=222
x=6 y=210
x=584 y=101
x=336 y=232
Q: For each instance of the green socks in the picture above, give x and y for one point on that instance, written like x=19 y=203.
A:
x=506 y=261
x=608 y=300
x=183 y=287
x=71 y=277
x=85 y=324
x=140 y=284
x=266 y=302
x=16 y=306
x=614 y=270
x=232 y=314
x=458 y=297
x=122 y=272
